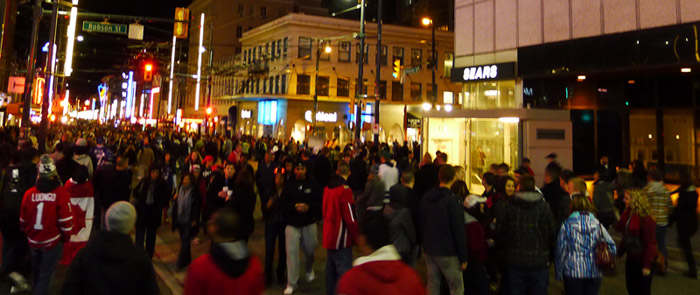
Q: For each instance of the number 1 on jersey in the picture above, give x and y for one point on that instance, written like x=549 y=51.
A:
x=39 y=213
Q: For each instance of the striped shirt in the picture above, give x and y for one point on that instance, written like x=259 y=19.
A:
x=576 y=245
x=659 y=201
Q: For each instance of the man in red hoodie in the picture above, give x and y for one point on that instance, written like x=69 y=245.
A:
x=228 y=268
x=339 y=226
x=380 y=269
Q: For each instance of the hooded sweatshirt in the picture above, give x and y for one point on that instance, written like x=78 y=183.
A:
x=443 y=224
x=111 y=264
x=339 y=220
x=227 y=269
x=381 y=272
x=527 y=230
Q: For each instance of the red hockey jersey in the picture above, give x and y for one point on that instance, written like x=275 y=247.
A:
x=46 y=218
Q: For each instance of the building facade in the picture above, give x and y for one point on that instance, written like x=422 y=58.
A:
x=269 y=88
x=625 y=73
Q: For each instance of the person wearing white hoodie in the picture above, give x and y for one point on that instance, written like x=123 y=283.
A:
x=388 y=172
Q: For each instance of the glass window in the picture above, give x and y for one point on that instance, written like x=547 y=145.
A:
x=245 y=56
x=396 y=91
x=489 y=95
x=264 y=89
x=385 y=52
x=263 y=12
x=239 y=31
x=272 y=50
x=344 y=51
x=324 y=55
x=382 y=89
x=257 y=85
x=303 y=84
x=279 y=49
x=252 y=10
x=343 y=87
x=283 y=84
x=416 y=91
x=304 y=48
x=416 y=57
x=322 y=83
x=271 y=90
x=448 y=64
x=357 y=53
x=398 y=54
x=240 y=10
x=285 y=46
x=277 y=84
x=364 y=85
x=255 y=54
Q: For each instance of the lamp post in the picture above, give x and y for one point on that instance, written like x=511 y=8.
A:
x=327 y=50
x=429 y=22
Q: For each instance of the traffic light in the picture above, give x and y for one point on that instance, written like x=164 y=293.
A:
x=397 y=68
x=148 y=72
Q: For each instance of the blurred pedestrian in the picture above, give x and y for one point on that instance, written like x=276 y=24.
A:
x=186 y=217
x=638 y=242
x=686 y=219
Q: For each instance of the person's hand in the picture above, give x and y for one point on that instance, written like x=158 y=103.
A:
x=646 y=271
x=302 y=207
x=223 y=194
x=464 y=266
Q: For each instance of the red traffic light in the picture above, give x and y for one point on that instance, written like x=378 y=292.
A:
x=148 y=67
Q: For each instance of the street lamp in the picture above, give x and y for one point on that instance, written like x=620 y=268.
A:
x=429 y=22
x=327 y=49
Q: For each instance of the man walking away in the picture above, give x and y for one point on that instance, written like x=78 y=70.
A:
x=379 y=270
x=339 y=226
x=228 y=268
x=111 y=263
x=47 y=220
x=660 y=202
x=444 y=240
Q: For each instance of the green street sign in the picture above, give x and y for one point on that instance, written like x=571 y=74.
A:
x=89 y=26
x=412 y=70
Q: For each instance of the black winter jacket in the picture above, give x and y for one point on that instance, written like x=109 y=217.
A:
x=442 y=221
x=111 y=264
x=528 y=230
x=150 y=214
x=302 y=191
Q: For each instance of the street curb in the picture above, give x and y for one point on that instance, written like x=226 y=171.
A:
x=164 y=265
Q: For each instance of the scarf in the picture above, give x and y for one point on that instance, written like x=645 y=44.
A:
x=149 y=194
x=183 y=203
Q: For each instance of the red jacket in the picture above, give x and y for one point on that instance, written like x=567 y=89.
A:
x=381 y=273
x=645 y=229
x=339 y=221
x=46 y=217
x=206 y=277
x=476 y=242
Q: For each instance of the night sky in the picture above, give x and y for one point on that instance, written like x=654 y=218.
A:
x=102 y=54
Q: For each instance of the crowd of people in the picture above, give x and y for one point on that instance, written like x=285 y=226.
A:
x=393 y=205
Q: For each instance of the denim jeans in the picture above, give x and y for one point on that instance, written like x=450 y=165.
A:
x=447 y=266
x=275 y=233
x=305 y=238
x=15 y=250
x=661 y=241
x=185 y=256
x=43 y=264
x=149 y=232
x=576 y=286
x=528 y=281
x=338 y=263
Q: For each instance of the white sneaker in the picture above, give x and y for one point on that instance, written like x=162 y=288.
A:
x=310 y=277
x=288 y=290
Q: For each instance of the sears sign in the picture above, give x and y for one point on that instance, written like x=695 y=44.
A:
x=501 y=71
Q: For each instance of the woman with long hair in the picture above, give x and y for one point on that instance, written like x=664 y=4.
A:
x=575 y=254
x=186 y=216
x=638 y=242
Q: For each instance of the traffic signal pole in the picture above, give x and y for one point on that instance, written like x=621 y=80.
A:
x=377 y=88
x=31 y=60
x=360 y=81
x=48 y=76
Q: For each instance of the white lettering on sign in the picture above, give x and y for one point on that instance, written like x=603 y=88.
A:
x=321 y=117
x=482 y=72
x=246 y=114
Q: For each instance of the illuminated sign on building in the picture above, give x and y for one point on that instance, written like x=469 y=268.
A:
x=246 y=114
x=267 y=112
x=501 y=71
x=321 y=117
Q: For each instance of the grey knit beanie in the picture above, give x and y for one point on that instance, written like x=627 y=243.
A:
x=121 y=217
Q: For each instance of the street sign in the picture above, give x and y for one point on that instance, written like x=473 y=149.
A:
x=412 y=70
x=136 y=32
x=16 y=85
x=89 y=26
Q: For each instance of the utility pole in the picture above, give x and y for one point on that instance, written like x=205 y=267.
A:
x=30 y=69
x=48 y=76
x=358 y=113
x=313 y=115
x=377 y=91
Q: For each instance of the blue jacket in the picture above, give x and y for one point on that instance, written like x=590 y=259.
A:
x=575 y=253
